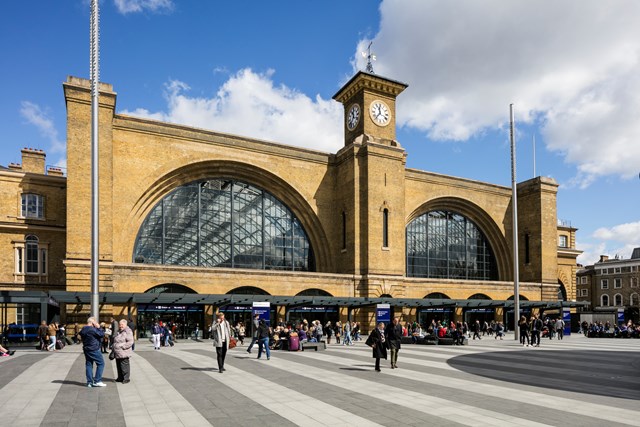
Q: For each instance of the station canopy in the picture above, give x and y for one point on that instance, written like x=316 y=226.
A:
x=290 y=302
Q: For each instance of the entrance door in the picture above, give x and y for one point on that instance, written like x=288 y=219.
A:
x=187 y=319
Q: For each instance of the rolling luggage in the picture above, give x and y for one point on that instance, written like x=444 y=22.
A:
x=59 y=345
x=294 y=342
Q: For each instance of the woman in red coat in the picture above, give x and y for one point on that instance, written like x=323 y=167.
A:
x=377 y=343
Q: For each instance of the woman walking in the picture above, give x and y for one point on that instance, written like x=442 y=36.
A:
x=377 y=343
x=524 y=330
x=122 y=343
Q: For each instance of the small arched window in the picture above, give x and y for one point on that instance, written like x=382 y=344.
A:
x=617 y=300
x=633 y=299
x=604 y=300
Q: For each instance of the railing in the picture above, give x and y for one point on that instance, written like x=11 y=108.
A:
x=564 y=223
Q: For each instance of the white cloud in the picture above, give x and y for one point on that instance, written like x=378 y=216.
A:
x=249 y=104
x=40 y=119
x=573 y=68
x=618 y=240
x=134 y=6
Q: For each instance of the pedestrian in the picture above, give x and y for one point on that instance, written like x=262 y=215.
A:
x=263 y=339
x=393 y=337
x=254 y=331
x=560 y=328
x=122 y=343
x=347 y=334
x=114 y=329
x=156 y=332
x=524 y=331
x=52 y=333
x=337 y=329
x=476 y=330
x=43 y=331
x=328 y=331
x=499 y=328
x=242 y=332
x=536 y=329
x=221 y=331
x=132 y=326
x=104 y=344
x=318 y=332
x=91 y=336
x=377 y=343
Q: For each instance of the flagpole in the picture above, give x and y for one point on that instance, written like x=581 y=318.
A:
x=95 y=244
x=514 y=197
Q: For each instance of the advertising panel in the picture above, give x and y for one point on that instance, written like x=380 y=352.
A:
x=383 y=313
x=263 y=309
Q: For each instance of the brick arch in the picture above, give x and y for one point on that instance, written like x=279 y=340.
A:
x=250 y=174
x=482 y=219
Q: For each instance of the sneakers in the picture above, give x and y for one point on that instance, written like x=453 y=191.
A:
x=99 y=384
x=89 y=385
x=5 y=355
x=11 y=352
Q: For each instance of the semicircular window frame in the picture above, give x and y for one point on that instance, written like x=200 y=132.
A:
x=223 y=222
x=444 y=244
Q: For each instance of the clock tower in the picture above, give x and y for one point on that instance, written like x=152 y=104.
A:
x=369 y=107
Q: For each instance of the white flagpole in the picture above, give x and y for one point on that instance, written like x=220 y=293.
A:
x=95 y=244
x=516 y=273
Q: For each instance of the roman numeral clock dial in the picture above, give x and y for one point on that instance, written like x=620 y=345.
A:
x=353 y=118
x=380 y=113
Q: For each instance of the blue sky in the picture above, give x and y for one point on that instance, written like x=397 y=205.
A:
x=268 y=70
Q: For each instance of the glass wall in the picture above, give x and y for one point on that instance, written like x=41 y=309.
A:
x=444 y=244
x=223 y=223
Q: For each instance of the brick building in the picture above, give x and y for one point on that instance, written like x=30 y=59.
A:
x=192 y=211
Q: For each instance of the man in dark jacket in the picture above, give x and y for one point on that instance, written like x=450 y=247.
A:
x=254 y=331
x=393 y=335
x=92 y=335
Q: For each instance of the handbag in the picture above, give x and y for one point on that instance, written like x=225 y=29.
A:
x=112 y=355
x=233 y=342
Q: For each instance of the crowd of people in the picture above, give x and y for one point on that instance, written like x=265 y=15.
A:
x=601 y=329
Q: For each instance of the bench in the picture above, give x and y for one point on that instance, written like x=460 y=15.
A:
x=314 y=346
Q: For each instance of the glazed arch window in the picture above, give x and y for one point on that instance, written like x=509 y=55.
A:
x=617 y=300
x=445 y=244
x=223 y=222
x=604 y=300
x=32 y=206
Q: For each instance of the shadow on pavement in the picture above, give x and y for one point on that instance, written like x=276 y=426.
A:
x=602 y=373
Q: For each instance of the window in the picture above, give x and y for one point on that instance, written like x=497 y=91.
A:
x=583 y=280
x=634 y=282
x=604 y=300
x=344 y=230
x=32 y=206
x=445 y=244
x=30 y=258
x=604 y=284
x=617 y=300
x=563 y=242
x=603 y=271
x=634 y=268
x=223 y=223
x=633 y=299
x=584 y=292
x=617 y=283
x=617 y=270
x=385 y=228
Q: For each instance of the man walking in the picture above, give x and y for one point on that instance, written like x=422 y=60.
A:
x=156 y=332
x=221 y=331
x=254 y=331
x=92 y=335
x=560 y=328
x=346 y=340
x=536 y=329
x=393 y=336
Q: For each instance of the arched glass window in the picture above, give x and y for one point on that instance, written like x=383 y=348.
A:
x=172 y=288
x=604 y=300
x=617 y=298
x=444 y=244
x=633 y=299
x=223 y=223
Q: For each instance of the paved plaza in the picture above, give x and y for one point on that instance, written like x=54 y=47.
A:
x=574 y=382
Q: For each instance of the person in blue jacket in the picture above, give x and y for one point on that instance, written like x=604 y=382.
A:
x=92 y=335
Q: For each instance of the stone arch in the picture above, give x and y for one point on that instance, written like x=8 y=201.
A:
x=480 y=217
x=248 y=290
x=436 y=295
x=562 y=291
x=479 y=296
x=521 y=298
x=250 y=174
x=314 y=292
x=173 y=288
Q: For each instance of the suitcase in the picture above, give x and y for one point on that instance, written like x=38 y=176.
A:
x=294 y=343
x=59 y=345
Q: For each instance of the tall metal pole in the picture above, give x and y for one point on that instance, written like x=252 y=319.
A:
x=514 y=197
x=95 y=78
x=534 y=155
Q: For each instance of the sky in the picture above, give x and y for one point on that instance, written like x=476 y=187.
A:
x=268 y=70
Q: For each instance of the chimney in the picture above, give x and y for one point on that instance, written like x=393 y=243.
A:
x=54 y=171
x=33 y=160
x=17 y=167
x=604 y=258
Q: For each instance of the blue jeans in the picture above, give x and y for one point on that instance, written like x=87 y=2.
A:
x=347 y=338
x=92 y=357
x=263 y=343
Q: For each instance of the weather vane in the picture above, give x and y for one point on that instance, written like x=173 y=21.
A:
x=370 y=58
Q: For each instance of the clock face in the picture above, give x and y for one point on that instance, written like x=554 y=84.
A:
x=353 y=117
x=380 y=113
